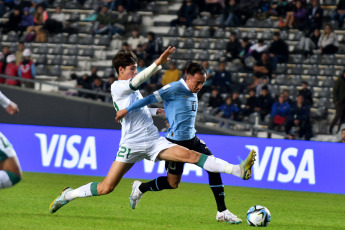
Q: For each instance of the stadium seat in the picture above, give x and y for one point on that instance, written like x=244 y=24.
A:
x=219 y=56
x=281 y=79
x=235 y=78
x=251 y=22
x=298 y=58
x=325 y=93
x=173 y=32
x=297 y=69
x=206 y=97
x=41 y=59
x=41 y=70
x=204 y=33
x=136 y=19
x=296 y=80
x=281 y=68
x=249 y=79
x=328 y=82
x=57 y=60
x=104 y=40
x=73 y=51
x=108 y=72
x=73 y=39
x=312 y=81
x=42 y=49
x=13 y=47
x=174 y=42
x=314 y=59
x=86 y=29
x=329 y=59
x=189 y=44
x=204 y=44
x=88 y=40
x=73 y=4
x=55 y=71
x=267 y=35
x=12 y=37
x=275 y=90
x=252 y=34
x=220 y=45
x=58 y=38
x=313 y=70
x=330 y=70
x=189 y=55
x=74 y=17
x=204 y=55
x=89 y=51
x=188 y=32
x=220 y=33
x=298 y=35
x=57 y=50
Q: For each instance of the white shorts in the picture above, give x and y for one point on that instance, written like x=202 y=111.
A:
x=6 y=149
x=147 y=150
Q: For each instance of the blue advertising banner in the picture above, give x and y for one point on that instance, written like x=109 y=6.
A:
x=281 y=164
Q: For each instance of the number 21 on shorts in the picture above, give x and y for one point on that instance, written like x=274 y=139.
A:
x=124 y=152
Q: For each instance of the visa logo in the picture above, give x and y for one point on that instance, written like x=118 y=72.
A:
x=188 y=168
x=286 y=173
x=65 y=152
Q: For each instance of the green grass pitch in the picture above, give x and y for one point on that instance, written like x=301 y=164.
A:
x=192 y=206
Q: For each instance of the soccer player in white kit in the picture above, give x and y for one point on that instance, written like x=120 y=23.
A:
x=10 y=171
x=140 y=138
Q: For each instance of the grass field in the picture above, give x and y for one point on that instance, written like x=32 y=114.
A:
x=192 y=206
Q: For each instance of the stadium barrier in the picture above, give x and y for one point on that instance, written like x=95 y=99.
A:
x=280 y=164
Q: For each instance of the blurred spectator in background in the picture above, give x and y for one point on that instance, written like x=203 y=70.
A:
x=215 y=100
x=287 y=98
x=227 y=110
x=153 y=47
x=257 y=49
x=263 y=67
x=250 y=104
x=308 y=44
x=279 y=50
x=246 y=9
x=306 y=93
x=237 y=101
x=263 y=9
x=296 y=17
x=233 y=47
x=264 y=103
x=342 y=136
x=120 y=21
x=56 y=22
x=125 y=47
x=6 y=51
x=172 y=74
x=339 y=13
x=229 y=15
x=136 y=39
x=280 y=111
x=244 y=50
x=13 y=22
x=104 y=21
x=94 y=73
x=279 y=8
x=107 y=85
x=214 y=6
x=209 y=79
x=314 y=16
x=186 y=14
x=99 y=87
x=154 y=83
x=141 y=65
x=11 y=70
x=2 y=80
x=27 y=20
x=40 y=17
x=139 y=52
x=26 y=69
x=299 y=117
x=328 y=42
x=339 y=101
x=19 y=53
x=83 y=82
x=222 y=79
x=264 y=81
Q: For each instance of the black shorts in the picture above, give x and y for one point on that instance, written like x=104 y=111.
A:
x=195 y=144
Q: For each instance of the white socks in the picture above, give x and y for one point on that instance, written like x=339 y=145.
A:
x=216 y=165
x=5 y=181
x=83 y=191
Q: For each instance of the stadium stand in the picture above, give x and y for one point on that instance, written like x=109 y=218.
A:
x=75 y=49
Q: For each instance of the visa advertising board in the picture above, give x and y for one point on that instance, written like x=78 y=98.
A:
x=281 y=164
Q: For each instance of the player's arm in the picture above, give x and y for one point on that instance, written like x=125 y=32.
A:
x=153 y=68
x=7 y=104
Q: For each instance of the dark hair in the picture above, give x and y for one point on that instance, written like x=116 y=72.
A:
x=123 y=59
x=304 y=82
x=343 y=130
x=276 y=34
x=245 y=39
x=264 y=88
x=153 y=35
x=194 y=68
x=125 y=44
x=260 y=40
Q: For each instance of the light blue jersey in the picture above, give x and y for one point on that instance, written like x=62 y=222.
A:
x=180 y=106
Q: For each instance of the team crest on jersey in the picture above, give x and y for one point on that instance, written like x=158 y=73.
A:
x=166 y=87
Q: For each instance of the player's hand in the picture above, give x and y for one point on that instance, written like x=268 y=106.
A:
x=12 y=108
x=120 y=114
x=164 y=58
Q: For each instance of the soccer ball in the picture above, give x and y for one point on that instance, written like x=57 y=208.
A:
x=258 y=216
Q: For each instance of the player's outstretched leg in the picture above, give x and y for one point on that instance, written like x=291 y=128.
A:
x=246 y=166
x=59 y=201
x=227 y=216
x=136 y=194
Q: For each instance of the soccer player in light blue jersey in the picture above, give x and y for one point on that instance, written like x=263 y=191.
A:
x=180 y=104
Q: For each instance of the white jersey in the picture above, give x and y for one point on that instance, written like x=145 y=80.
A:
x=137 y=126
x=4 y=101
